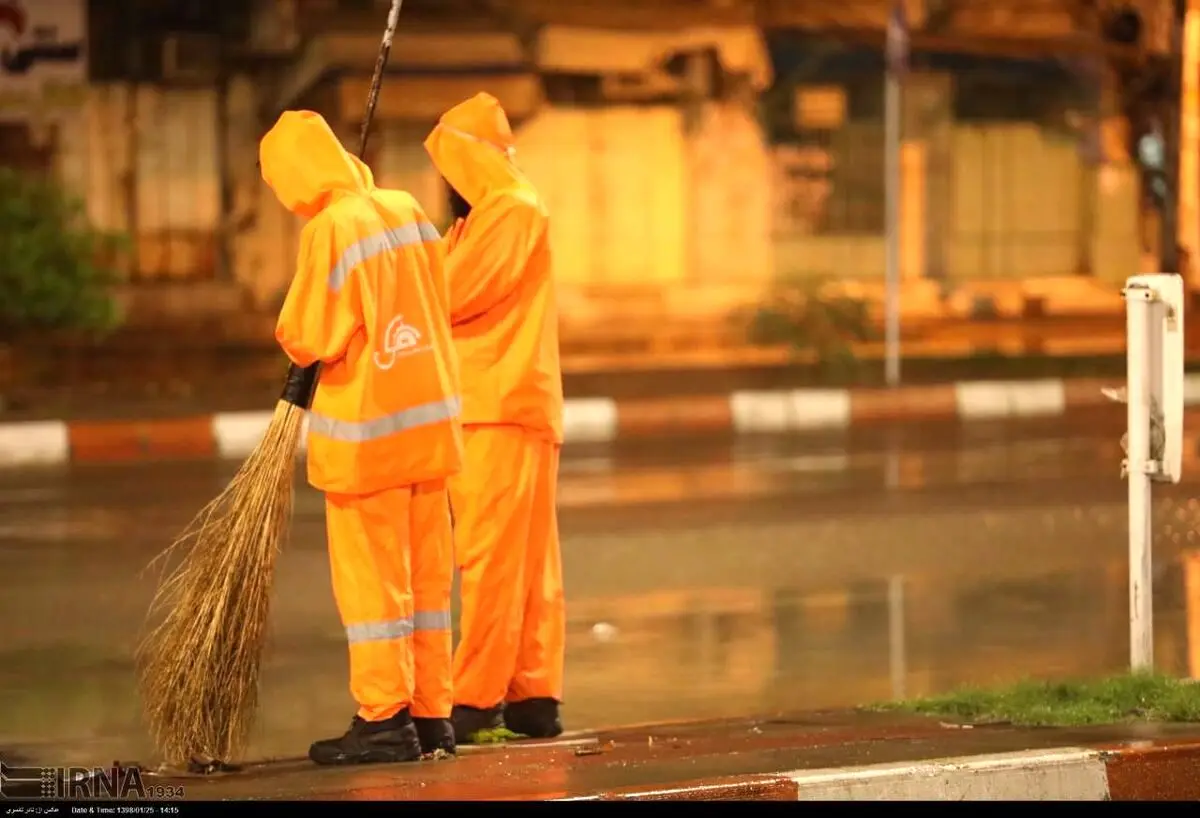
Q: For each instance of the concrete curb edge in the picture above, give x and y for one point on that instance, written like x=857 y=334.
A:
x=1127 y=773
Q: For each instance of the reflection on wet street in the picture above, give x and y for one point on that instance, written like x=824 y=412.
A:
x=705 y=578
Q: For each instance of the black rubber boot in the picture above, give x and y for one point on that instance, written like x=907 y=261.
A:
x=435 y=734
x=536 y=718
x=371 y=742
x=470 y=720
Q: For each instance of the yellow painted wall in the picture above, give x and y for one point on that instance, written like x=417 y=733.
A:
x=636 y=197
x=639 y=204
x=729 y=179
x=1116 y=253
x=613 y=181
x=552 y=151
x=1016 y=203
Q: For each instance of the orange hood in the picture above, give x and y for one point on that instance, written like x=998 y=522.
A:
x=472 y=147
x=304 y=163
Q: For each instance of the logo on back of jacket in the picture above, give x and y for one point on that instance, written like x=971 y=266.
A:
x=399 y=341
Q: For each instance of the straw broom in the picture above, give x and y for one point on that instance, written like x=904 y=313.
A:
x=198 y=669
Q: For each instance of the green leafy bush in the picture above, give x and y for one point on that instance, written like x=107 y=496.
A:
x=56 y=270
x=824 y=326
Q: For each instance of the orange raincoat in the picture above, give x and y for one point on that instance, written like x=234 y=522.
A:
x=505 y=325
x=369 y=302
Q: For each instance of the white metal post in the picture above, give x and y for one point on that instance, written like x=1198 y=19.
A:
x=1139 y=303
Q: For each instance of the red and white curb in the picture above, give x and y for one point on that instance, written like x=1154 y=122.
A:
x=591 y=420
x=1069 y=774
x=1135 y=772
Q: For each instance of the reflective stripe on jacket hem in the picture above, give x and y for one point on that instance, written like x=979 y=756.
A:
x=350 y=431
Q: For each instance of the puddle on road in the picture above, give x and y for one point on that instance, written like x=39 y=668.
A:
x=666 y=655
x=669 y=618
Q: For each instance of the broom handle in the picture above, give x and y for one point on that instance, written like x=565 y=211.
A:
x=301 y=382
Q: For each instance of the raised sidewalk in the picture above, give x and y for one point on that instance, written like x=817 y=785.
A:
x=820 y=756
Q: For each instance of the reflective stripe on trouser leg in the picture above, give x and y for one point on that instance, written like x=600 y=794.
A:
x=492 y=497
x=370 y=566
x=433 y=574
x=539 y=671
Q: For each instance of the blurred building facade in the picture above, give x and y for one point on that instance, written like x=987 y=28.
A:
x=692 y=153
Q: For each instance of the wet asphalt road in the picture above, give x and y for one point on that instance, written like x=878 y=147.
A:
x=705 y=578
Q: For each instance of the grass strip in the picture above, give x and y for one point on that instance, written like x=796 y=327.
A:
x=1127 y=697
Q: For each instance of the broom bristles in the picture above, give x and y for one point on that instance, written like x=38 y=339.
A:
x=198 y=668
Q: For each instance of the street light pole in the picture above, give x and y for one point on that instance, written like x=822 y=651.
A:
x=1169 y=241
x=895 y=67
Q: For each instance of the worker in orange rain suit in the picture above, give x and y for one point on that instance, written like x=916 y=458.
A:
x=509 y=661
x=369 y=302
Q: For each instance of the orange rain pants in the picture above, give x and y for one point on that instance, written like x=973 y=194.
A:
x=512 y=626
x=400 y=643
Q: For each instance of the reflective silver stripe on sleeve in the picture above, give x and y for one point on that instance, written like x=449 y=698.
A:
x=379 y=631
x=361 y=431
x=431 y=620
x=371 y=246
